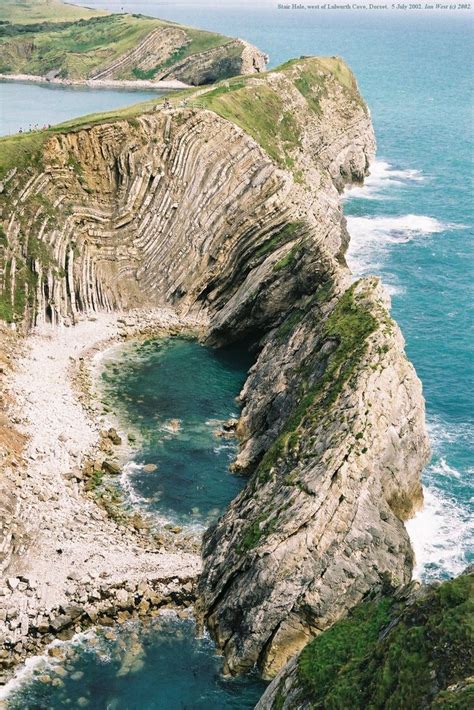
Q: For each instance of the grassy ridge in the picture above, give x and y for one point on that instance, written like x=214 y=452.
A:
x=250 y=102
x=38 y=37
x=79 y=48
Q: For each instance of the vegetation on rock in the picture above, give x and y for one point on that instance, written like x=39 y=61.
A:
x=386 y=657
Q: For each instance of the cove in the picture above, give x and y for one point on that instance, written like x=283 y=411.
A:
x=176 y=394
x=158 y=666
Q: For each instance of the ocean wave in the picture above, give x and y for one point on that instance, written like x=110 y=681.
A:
x=127 y=484
x=382 y=177
x=44 y=662
x=372 y=236
x=442 y=433
x=442 y=534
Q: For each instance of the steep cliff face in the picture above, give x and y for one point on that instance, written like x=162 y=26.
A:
x=336 y=411
x=231 y=206
x=184 y=205
x=408 y=650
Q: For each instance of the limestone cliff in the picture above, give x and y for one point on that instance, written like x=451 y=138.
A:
x=411 y=649
x=230 y=206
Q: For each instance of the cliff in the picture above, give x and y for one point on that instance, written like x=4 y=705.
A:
x=229 y=207
x=408 y=650
x=119 y=47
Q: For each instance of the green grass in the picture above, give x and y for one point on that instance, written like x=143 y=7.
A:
x=200 y=41
x=354 y=665
x=76 y=50
x=23 y=149
x=251 y=104
x=31 y=11
x=80 y=48
x=261 y=113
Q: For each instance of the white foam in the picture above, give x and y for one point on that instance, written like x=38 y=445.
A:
x=441 y=534
x=127 y=485
x=382 y=177
x=371 y=237
x=27 y=670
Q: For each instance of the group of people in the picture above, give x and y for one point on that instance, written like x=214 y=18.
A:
x=35 y=127
x=167 y=104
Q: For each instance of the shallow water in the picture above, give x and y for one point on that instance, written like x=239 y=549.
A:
x=410 y=224
x=160 y=666
x=177 y=394
x=25 y=106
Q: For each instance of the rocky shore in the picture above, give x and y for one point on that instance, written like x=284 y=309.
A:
x=79 y=566
x=128 y=84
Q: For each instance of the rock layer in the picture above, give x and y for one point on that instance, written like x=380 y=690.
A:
x=124 y=47
x=336 y=411
x=231 y=208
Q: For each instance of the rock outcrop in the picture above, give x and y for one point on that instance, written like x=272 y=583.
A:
x=335 y=410
x=411 y=649
x=230 y=207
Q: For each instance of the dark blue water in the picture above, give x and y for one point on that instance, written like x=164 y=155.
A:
x=161 y=666
x=412 y=224
x=178 y=394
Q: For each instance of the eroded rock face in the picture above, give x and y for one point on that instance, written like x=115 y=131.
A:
x=241 y=220
x=162 y=45
x=184 y=207
x=355 y=673
x=338 y=410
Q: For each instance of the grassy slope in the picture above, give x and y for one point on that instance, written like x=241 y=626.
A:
x=250 y=102
x=79 y=48
x=364 y=664
x=30 y=11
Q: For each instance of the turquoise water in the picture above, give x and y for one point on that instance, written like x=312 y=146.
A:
x=178 y=394
x=25 y=106
x=161 y=666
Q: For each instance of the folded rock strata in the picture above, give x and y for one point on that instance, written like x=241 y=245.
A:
x=125 y=47
x=232 y=209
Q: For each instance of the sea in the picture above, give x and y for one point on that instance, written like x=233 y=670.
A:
x=411 y=224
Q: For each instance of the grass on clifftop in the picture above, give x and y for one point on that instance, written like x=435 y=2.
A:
x=349 y=325
x=250 y=102
x=261 y=112
x=363 y=664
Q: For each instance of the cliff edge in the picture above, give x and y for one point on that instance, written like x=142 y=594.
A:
x=226 y=205
x=411 y=649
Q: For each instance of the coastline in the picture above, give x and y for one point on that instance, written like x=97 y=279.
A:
x=138 y=84
x=81 y=567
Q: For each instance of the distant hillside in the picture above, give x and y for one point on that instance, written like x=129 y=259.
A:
x=66 y=44
x=31 y=11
